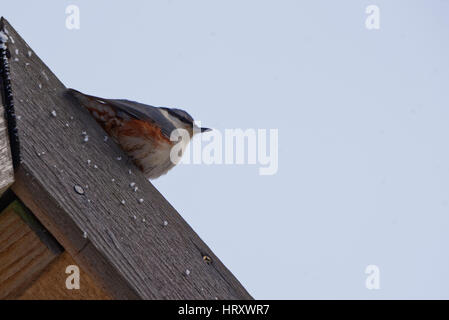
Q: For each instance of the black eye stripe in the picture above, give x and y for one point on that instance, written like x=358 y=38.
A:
x=179 y=116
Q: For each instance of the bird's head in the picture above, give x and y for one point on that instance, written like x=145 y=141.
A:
x=182 y=120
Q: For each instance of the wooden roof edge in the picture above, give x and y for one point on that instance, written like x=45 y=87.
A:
x=135 y=250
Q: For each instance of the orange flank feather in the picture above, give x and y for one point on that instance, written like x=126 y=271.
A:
x=144 y=130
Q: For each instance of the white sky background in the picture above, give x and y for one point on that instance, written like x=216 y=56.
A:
x=363 y=119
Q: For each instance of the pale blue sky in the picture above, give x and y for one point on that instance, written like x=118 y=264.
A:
x=363 y=119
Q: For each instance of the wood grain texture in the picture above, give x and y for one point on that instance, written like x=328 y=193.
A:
x=23 y=256
x=6 y=167
x=51 y=285
x=128 y=250
x=6 y=113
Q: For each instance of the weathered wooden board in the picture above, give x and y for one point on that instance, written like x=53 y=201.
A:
x=6 y=167
x=6 y=163
x=23 y=255
x=126 y=248
x=51 y=284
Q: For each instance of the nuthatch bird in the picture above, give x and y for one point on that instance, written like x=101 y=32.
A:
x=141 y=130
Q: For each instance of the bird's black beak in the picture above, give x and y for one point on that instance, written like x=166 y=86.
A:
x=205 y=130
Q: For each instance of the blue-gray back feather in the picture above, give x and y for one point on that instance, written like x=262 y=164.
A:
x=127 y=109
x=144 y=112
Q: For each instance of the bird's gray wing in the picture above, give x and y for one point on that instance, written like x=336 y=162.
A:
x=143 y=112
x=130 y=109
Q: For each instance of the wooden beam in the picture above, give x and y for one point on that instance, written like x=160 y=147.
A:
x=23 y=254
x=76 y=189
x=51 y=284
x=6 y=166
x=6 y=163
